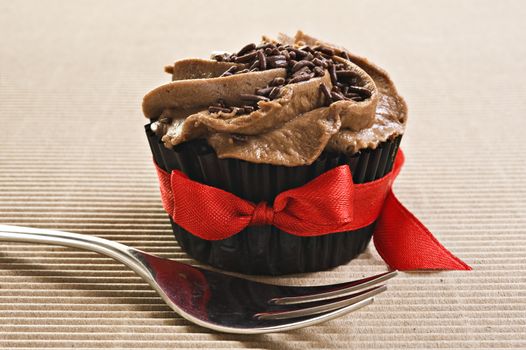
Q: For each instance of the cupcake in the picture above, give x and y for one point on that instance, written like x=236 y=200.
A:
x=269 y=118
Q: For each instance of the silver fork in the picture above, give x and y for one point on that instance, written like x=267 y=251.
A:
x=218 y=301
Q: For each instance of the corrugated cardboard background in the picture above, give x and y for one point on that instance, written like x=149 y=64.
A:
x=73 y=156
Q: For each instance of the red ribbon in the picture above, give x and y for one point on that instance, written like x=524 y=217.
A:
x=330 y=203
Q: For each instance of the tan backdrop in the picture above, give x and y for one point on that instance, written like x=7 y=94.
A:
x=73 y=156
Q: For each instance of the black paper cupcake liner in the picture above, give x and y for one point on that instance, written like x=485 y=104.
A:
x=266 y=249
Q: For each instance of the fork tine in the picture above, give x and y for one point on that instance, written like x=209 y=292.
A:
x=317 y=319
x=335 y=290
x=323 y=307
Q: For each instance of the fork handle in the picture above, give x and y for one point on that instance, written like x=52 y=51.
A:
x=127 y=255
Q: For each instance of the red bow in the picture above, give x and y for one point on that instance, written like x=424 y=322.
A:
x=329 y=203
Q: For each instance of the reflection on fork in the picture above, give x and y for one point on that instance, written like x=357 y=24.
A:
x=219 y=301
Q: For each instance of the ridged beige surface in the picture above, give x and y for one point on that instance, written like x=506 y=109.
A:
x=73 y=156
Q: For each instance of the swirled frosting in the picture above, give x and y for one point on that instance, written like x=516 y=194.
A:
x=314 y=108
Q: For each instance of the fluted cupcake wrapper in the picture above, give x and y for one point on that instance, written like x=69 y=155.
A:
x=266 y=249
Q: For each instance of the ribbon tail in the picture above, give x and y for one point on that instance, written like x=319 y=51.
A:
x=406 y=244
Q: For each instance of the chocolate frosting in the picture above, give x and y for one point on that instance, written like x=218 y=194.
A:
x=291 y=130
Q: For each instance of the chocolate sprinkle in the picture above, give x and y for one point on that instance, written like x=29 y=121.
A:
x=354 y=96
x=215 y=109
x=262 y=60
x=246 y=49
x=324 y=49
x=325 y=90
x=300 y=78
x=300 y=54
x=246 y=58
x=280 y=64
x=274 y=52
x=274 y=92
x=360 y=90
x=307 y=48
x=277 y=58
x=277 y=81
x=320 y=63
x=301 y=63
x=264 y=91
x=332 y=73
x=252 y=97
x=336 y=96
x=264 y=46
x=318 y=71
x=302 y=70
x=254 y=66
x=345 y=74
x=229 y=71
x=220 y=58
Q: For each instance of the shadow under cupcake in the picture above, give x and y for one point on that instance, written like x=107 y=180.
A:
x=267 y=119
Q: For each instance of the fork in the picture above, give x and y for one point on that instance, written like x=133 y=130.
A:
x=219 y=301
